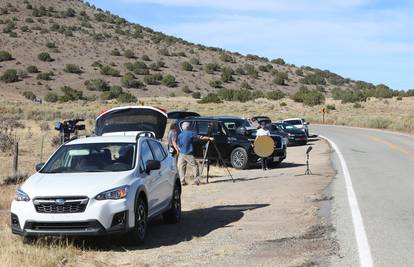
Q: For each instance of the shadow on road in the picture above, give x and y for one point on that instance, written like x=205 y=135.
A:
x=194 y=224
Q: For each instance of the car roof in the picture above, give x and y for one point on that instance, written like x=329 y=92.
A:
x=217 y=118
x=104 y=139
x=292 y=119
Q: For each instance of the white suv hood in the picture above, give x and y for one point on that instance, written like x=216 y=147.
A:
x=74 y=184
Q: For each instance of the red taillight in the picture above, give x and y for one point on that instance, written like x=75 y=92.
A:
x=102 y=112
x=162 y=109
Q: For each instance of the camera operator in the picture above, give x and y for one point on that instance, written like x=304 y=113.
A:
x=263 y=131
x=185 y=149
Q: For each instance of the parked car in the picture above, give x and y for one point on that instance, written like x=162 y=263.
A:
x=234 y=137
x=112 y=183
x=295 y=135
x=179 y=115
x=299 y=123
x=257 y=120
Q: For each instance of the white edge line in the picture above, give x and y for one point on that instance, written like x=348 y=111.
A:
x=364 y=251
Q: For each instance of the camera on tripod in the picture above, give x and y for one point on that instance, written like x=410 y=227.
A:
x=69 y=127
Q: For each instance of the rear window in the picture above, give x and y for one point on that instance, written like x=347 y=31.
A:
x=294 y=122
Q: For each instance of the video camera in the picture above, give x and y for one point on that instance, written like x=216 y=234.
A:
x=66 y=128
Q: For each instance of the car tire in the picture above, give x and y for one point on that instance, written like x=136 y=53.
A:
x=138 y=234
x=28 y=240
x=173 y=215
x=239 y=158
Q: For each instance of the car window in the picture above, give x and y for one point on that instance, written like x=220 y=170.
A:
x=145 y=153
x=157 y=150
x=202 y=127
x=294 y=122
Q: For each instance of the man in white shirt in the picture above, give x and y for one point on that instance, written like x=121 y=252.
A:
x=263 y=131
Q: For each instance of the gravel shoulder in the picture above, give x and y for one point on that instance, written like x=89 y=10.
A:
x=265 y=218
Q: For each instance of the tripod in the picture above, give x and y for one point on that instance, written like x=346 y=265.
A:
x=308 y=171
x=220 y=159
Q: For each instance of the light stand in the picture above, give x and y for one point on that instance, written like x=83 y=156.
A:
x=308 y=171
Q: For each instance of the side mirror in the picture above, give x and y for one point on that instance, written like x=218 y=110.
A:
x=39 y=166
x=153 y=165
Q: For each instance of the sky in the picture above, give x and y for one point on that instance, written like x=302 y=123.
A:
x=358 y=39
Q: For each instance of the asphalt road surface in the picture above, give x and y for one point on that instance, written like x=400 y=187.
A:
x=381 y=169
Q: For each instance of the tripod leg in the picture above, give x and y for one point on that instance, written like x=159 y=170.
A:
x=204 y=160
x=208 y=169
x=222 y=161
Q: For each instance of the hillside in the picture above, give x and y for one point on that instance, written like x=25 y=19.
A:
x=56 y=43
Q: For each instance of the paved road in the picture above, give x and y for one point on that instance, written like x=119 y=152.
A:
x=381 y=166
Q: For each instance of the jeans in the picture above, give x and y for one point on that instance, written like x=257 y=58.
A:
x=183 y=160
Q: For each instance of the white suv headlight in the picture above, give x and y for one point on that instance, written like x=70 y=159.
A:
x=21 y=196
x=116 y=193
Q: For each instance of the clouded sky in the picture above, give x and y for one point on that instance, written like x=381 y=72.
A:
x=359 y=39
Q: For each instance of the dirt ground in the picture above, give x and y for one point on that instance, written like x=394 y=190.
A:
x=265 y=218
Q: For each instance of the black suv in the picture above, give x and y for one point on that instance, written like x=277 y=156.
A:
x=234 y=137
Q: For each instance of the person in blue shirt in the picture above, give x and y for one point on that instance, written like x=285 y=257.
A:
x=185 y=149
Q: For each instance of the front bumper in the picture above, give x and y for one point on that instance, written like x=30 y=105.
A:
x=97 y=219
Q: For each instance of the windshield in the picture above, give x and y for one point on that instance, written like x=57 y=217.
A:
x=286 y=126
x=233 y=124
x=96 y=157
x=294 y=122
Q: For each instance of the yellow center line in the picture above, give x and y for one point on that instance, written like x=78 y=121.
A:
x=392 y=146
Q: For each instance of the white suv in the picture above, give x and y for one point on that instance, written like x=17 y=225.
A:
x=299 y=123
x=111 y=183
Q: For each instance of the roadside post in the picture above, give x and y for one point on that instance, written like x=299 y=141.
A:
x=16 y=158
x=323 y=111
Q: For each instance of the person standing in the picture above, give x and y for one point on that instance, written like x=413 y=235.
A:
x=185 y=149
x=172 y=140
x=263 y=131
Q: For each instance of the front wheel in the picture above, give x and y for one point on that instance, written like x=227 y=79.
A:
x=239 y=158
x=137 y=235
x=173 y=215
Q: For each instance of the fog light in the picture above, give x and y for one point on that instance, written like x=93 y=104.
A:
x=119 y=218
x=14 y=219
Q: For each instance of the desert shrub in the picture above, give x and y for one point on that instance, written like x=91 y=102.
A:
x=129 y=81
x=348 y=96
x=266 y=68
x=70 y=12
x=251 y=71
x=313 y=78
x=45 y=76
x=115 y=52
x=138 y=67
x=187 y=90
x=379 y=123
x=70 y=94
x=216 y=83
x=240 y=71
x=51 y=97
x=72 y=68
x=196 y=95
x=145 y=58
x=309 y=97
x=114 y=92
x=280 y=78
x=7 y=141
x=24 y=28
x=210 y=68
x=227 y=74
x=97 y=85
x=45 y=57
x=330 y=107
x=244 y=95
x=245 y=85
x=283 y=104
x=109 y=71
x=357 y=105
x=32 y=69
x=169 y=81
x=22 y=74
x=275 y=95
x=29 y=95
x=13 y=34
x=186 y=66
x=278 y=61
x=164 y=52
x=299 y=72
x=126 y=98
x=5 y=56
x=381 y=91
x=195 y=61
x=151 y=79
x=226 y=58
x=210 y=98
x=10 y=76
x=399 y=98
x=129 y=53
x=51 y=45
x=29 y=20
